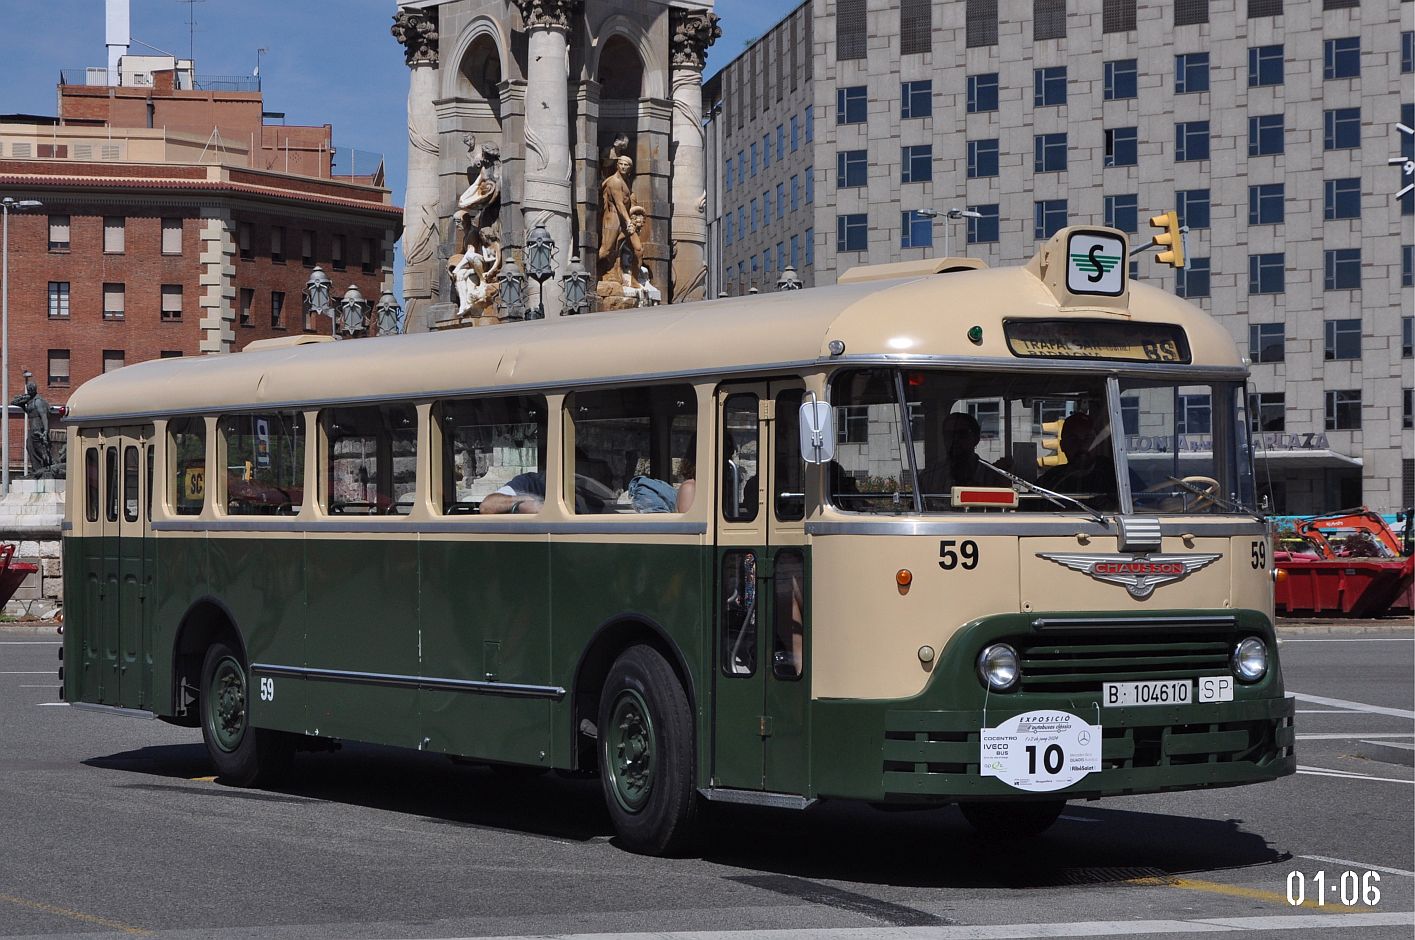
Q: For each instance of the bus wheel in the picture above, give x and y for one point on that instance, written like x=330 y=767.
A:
x=242 y=755
x=646 y=755
x=1012 y=820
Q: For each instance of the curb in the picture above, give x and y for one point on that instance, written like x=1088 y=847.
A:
x=1343 y=627
x=43 y=628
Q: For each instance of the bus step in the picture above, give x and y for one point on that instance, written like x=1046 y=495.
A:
x=755 y=798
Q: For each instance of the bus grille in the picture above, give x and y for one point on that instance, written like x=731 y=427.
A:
x=1082 y=663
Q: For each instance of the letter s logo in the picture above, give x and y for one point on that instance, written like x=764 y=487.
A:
x=1095 y=263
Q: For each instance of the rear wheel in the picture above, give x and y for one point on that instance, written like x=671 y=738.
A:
x=646 y=754
x=1012 y=820
x=242 y=755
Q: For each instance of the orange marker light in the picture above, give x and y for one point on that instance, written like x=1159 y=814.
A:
x=903 y=577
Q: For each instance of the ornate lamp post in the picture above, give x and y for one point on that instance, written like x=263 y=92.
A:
x=388 y=314
x=576 y=288
x=318 y=290
x=789 y=280
x=540 y=265
x=353 y=313
x=511 y=297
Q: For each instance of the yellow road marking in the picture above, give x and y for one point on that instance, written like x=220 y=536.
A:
x=1238 y=891
x=203 y=779
x=76 y=915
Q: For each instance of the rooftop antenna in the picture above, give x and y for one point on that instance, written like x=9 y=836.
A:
x=192 y=30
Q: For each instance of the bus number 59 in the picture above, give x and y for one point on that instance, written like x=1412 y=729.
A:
x=948 y=557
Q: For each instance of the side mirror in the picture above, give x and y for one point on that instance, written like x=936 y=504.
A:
x=817 y=432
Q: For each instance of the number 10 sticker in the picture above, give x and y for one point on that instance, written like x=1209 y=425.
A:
x=1041 y=751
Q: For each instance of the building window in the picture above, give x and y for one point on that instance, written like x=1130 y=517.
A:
x=795 y=251
x=1192 y=207
x=1122 y=146
x=916 y=99
x=1343 y=268
x=915 y=230
x=851 y=168
x=113 y=360
x=982 y=158
x=1192 y=280
x=1195 y=415
x=795 y=133
x=1049 y=152
x=916 y=163
x=58 y=233
x=59 y=367
x=277 y=245
x=1343 y=339
x=171 y=303
x=1049 y=86
x=915 y=26
x=1123 y=212
x=1342 y=198
x=1048 y=19
x=1121 y=79
x=851 y=35
x=780 y=142
x=1407 y=265
x=1267 y=342
x=247 y=302
x=780 y=201
x=851 y=106
x=336 y=253
x=795 y=193
x=171 y=236
x=1261 y=8
x=1407 y=52
x=307 y=248
x=366 y=256
x=1048 y=217
x=851 y=232
x=1342 y=128
x=277 y=310
x=1341 y=58
x=1191 y=141
x=1117 y=16
x=1265 y=204
x=1267 y=411
x=809 y=121
x=981 y=23
x=1406 y=419
x=766 y=208
x=1265 y=273
x=1264 y=66
x=982 y=93
x=1341 y=4
x=1407 y=337
x=1191 y=12
x=243 y=241
x=756 y=158
x=809 y=176
x=58 y=300
x=810 y=246
x=756 y=217
x=1343 y=410
x=114 y=234
x=727 y=230
x=1191 y=73
x=766 y=151
x=1265 y=135
x=727 y=174
x=984 y=230
x=113 y=301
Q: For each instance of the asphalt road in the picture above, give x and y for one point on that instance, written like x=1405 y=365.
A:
x=109 y=827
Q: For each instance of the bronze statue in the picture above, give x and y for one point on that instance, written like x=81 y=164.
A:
x=36 y=410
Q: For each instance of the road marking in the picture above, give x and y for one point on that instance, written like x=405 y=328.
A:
x=31 y=642
x=1323 y=772
x=1339 y=736
x=49 y=685
x=1324 y=711
x=76 y=915
x=1358 y=639
x=213 y=780
x=1094 y=928
x=42 y=704
x=1239 y=891
x=40 y=672
x=1356 y=706
x=1351 y=864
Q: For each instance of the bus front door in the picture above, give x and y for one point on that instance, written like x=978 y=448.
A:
x=760 y=737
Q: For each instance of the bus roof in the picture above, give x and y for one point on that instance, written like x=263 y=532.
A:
x=910 y=319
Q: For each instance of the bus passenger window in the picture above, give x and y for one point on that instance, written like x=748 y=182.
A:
x=110 y=464
x=740 y=453
x=739 y=613
x=634 y=448
x=788 y=479
x=493 y=455
x=130 y=484
x=265 y=463
x=91 y=484
x=371 y=460
x=789 y=615
x=186 y=486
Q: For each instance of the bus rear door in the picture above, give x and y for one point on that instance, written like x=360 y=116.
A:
x=125 y=572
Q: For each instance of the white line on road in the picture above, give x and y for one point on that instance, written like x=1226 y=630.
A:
x=40 y=672
x=1357 y=706
x=1097 y=928
x=1337 y=736
x=1343 y=775
x=1358 y=639
x=1324 y=711
x=42 y=704
x=1351 y=864
x=31 y=642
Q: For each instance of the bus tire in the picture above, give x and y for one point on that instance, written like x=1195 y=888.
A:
x=243 y=755
x=646 y=754
x=1012 y=820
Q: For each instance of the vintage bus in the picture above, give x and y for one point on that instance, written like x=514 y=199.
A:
x=937 y=534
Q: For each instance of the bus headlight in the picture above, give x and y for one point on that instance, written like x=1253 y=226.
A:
x=1250 y=659
x=998 y=667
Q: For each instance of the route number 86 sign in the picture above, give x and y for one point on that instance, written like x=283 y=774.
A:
x=1041 y=751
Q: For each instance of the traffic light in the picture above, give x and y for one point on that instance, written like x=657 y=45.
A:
x=1051 y=442
x=1170 y=240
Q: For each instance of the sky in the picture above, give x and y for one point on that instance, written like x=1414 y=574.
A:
x=327 y=61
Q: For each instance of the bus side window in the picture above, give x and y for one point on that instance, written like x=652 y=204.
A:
x=740 y=457
x=492 y=445
x=789 y=614
x=130 y=484
x=265 y=463
x=739 y=613
x=371 y=459
x=91 y=484
x=788 y=481
x=633 y=448
x=186 y=487
x=111 y=481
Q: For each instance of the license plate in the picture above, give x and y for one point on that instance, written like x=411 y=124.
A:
x=1167 y=692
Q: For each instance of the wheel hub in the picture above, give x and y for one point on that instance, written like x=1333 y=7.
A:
x=630 y=751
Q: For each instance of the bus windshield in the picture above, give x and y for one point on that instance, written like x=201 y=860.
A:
x=905 y=438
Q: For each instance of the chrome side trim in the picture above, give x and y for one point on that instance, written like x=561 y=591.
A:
x=1011 y=525
x=755 y=798
x=404 y=526
x=1086 y=624
x=113 y=710
x=427 y=683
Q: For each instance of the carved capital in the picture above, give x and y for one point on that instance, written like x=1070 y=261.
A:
x=693 y=31
x=416 y=31
x=546 y=14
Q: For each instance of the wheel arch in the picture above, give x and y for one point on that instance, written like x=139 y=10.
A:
x=206 y=621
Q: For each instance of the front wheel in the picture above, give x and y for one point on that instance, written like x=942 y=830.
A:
x=1012 y=820
x=646 y=754
x=243 y=755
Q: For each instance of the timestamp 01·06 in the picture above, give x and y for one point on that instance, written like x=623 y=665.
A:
x=1350 y=888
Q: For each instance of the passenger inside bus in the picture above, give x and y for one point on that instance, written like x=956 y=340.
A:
x=958 y=464
x=1090 y=464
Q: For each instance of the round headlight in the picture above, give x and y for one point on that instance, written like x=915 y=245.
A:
x=1250 y=659
x=998 y=667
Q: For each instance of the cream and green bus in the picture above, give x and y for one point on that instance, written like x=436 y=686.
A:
x=937 y=534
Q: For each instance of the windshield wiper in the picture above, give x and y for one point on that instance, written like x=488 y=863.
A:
x=1060 y=499
x=1221 y=500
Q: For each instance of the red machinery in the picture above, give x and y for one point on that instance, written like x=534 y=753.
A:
x=12 y=573
x=1353 y=566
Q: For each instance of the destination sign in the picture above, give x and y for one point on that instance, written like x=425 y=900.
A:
x=1096 y=339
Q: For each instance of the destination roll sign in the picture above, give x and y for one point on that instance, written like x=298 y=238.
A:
x=1096 y=339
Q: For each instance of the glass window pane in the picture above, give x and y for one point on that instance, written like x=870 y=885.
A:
x=187 y=464
x=130 y=484
x=265 y=463
x=111 y=482
x=493 y=455
x=788 y=481
x=371 y=460
x=91 y=484
x=739 y=614
x=634 y=447
x=789 y=614
x=740 y=458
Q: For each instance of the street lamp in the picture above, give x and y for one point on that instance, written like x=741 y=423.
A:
x=389 y=314
x=540 y=265
x=950 y=214
x=317 y=293
x=19 y=205
x=576 y=288
x=789 y=280
x=353 y=313
x=511 y=293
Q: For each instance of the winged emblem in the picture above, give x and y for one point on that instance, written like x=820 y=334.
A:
x=1138 y=574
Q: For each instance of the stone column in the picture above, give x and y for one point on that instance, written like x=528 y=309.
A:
x=546 y=186
x=417 y=31
x=693 y=31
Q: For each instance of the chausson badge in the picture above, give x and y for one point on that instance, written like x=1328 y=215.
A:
x=1139 y=574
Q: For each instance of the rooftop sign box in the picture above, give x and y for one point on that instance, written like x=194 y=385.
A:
x=1086 y=267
